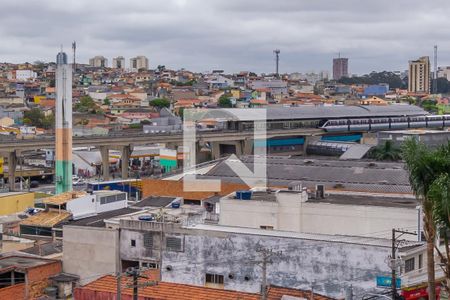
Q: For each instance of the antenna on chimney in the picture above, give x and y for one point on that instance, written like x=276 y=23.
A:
x=277 y=60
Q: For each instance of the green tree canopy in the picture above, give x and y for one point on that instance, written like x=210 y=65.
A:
x=387 y=151
x=390 y=78
x=86 y=104
x=224 y=101
x=36 y=117
x=427 y=168
x=160 y=103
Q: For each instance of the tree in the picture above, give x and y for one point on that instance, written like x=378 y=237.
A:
x=160 y=103
x=86 y=104
x=106 y=101
x=390 y=78
x=429 y=105
x=439 y=194
x=425 y=166
x=443 y=85
x=224 y=101
x=35 y=117
x=387 y=151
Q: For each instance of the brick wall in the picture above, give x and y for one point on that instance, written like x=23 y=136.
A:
x=38 y=278
x=16 y=291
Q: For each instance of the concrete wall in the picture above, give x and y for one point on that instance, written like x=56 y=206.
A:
x=82 y=206
x=291 y=213
x=333 y=266
x=90 y=252
x=16 y=202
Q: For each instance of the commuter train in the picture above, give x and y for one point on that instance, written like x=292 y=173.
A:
x=386 y=123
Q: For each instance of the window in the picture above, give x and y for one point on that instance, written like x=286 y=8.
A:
x=409 y=265
x=173 y=243
x=420 y=261
x=133 y=243
x=214 y=278
x=266 y=227
x=148 y=240
x=149 y=265
x=113 y=198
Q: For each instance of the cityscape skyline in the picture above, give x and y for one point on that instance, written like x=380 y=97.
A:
x=204 y=36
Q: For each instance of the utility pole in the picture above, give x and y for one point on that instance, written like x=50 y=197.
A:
x=394 y=279
x=394 y=260
x=266 y=259
x=135 y=273
x=119 y=287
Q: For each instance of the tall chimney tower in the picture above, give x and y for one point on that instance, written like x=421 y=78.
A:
x=277 y=60
x=63 y=126
x=74 y=49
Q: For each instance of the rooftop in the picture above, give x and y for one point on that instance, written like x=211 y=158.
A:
x=64 y=197
x=45 y=249
x=155 y=201
x=46 y=218
x=374 y=199
x=23 y=262
x=347 y=239
x=364 y=176
x=322 y=112
x=175 y=291
x=98 y=220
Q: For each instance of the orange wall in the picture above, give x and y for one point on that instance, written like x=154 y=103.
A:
x=16 y=291
x=156 y=187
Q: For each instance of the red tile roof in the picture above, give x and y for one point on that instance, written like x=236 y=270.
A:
x=163 y=290
x=106 y=286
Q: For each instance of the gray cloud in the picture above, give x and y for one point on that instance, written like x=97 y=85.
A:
x=229 y=34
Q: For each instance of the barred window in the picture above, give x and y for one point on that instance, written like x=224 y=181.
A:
x=148 y=240
x=173 y=243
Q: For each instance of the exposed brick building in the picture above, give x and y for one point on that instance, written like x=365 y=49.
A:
x=26 y=277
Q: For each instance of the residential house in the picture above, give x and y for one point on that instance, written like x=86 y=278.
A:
x=25 y=277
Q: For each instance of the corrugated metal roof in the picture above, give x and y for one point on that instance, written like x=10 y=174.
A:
x=356 y=151
x=335 y=174
x=319 y=112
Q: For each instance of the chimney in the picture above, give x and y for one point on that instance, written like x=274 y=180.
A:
x=320 y=191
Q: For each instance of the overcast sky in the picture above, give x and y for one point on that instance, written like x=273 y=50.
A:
x=233 y=35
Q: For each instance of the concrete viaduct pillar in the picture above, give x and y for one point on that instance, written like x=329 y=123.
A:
x=125 y=160
x=215 y=150
x=247 y=147
x=104 y=152
x=12 y=164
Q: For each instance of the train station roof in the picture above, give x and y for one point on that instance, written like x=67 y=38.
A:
x=306 y=112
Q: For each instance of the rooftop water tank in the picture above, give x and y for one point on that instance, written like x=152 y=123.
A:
x=244 y=195
x=147 y=218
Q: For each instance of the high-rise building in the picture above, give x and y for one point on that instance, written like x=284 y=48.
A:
x=419 y=75
x=139 y=62
x=63 y=126
x=118 y=62
x=340 y=68
x=98 y=61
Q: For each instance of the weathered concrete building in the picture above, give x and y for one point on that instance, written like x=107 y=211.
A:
x=349 y=213
x=230 y=257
